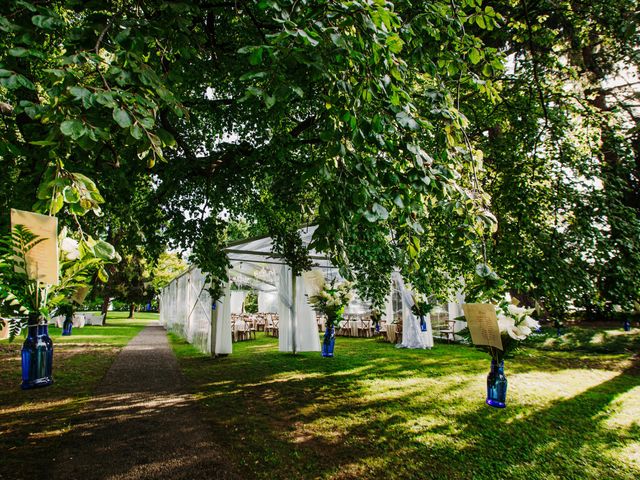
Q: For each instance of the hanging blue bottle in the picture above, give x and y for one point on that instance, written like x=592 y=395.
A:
x=67 y=326
x=497 y=385
x=37 y=355
x=328 y=341
x=423 y=324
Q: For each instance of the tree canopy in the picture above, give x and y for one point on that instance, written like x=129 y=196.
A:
x=424 y=136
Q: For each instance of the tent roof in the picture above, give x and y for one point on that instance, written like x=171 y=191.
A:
x=254 y=263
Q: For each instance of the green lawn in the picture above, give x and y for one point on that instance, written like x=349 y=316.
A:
x=375 y=411
x=34 y=421
x=589 y=339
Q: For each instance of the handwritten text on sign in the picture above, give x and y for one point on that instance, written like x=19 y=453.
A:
x=483 y=324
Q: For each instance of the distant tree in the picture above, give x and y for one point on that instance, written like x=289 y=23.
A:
x=169 y=266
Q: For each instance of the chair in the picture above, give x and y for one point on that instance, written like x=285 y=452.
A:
x=260 y=322
x=364 y=327
x=449 y=333
x=251 y=327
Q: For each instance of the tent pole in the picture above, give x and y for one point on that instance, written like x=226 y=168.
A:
x=294 y=319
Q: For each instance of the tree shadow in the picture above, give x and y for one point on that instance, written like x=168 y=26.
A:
x=276 y=407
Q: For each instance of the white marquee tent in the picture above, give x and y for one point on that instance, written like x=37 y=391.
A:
x=186 y=308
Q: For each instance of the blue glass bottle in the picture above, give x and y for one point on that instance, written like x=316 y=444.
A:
x=423 y=324
x=67 y=325
x=497 y=385
x=328 y=341
x=627 y=325
x=37 y=355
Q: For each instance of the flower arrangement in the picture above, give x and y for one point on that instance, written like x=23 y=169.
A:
x=421 y=305
x=329 y=298
x=515 y=324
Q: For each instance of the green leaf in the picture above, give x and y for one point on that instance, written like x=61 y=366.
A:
x=42 y=21
x=270 y=100
x=18 y=52
x=395 y=43
x=56 y=204
x=406 y=120
x=475 y=55
x=255 y=58
x=380 y=211
x=370 y=216
x=121 y=117
x=136 y=132
x=103 y=275
x=72 y=128
x=70 y=195
x=166 y=137
x=147 y=122
x=79 y=92
x=104 y=250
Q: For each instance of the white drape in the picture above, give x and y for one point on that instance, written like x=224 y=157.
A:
x=268 y=302
x=388 y=308
x=298 y=331
x=285 y=304
x=307 y=339
x=412 y=336
x=237 y=299
x=221 y=330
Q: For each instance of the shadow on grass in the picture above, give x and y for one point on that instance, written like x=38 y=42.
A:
x=34 y=422
x=594 y=340
x=377 y=412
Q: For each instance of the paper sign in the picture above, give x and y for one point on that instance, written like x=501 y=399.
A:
x=483 y=324
x=79 y=295
x=42 y=260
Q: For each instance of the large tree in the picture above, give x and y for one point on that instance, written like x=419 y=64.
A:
x=368 y=118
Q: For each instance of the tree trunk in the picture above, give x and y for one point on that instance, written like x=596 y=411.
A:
x=105 y=309
x=132 y=308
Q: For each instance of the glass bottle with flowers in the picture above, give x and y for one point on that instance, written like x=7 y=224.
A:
x=421 y=308
x=330 y=299
x=514 y=323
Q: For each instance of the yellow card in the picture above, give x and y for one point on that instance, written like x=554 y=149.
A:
x=483 y=324
x=42 y=260
x=80 y=294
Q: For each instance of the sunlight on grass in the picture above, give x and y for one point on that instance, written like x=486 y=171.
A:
x=33 y=407
x=544 y=388
x=625 y=410
x=375 y=411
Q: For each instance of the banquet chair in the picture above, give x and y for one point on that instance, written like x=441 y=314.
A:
x=449 y=332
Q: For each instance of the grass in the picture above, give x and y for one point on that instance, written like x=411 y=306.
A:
x=375 y=411
x=589 y=339
x=33 y=422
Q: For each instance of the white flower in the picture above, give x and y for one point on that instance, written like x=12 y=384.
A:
x=315 y=281
x=518 y=311
x=505 y=323
x=531 y=323
x=508 y=324
x=70 y=248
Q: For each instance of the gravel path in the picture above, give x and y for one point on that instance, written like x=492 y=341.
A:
x=141 y=424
